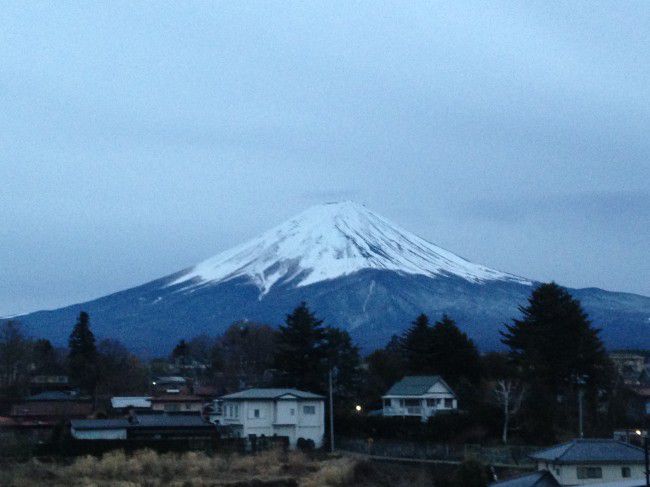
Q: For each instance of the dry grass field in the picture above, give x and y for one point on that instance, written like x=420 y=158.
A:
x=148 y=468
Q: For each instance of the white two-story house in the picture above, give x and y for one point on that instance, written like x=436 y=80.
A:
x=419 y=395
x=283 y=412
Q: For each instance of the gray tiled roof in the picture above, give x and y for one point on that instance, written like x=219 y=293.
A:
x=587 y=450
x=535 y=479
x=415 y=385
x=57 y=396
x=252 y=394
x=143 y=421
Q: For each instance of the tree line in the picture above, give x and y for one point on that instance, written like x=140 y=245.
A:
x=104 y=367
x=553 y=355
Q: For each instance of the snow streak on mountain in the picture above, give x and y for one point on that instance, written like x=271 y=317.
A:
x=330 y=241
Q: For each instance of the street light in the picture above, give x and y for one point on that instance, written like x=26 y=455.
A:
x=358 y=408
x=646 y=447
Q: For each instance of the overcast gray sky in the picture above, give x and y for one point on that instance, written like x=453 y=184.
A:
x=139 y=138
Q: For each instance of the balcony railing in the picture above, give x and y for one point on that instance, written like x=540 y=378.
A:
x=407 y=411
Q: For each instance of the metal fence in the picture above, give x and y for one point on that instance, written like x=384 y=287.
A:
x=420 y=450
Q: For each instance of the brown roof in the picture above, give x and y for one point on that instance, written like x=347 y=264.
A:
x=7 y=422
x=60 y=409
x=206 y=391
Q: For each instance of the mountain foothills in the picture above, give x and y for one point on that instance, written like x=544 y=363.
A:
x=357 y=271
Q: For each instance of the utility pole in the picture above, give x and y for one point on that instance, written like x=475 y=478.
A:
x=580 y=418
x=580 y=382
x=331 y=412
x=646 y=454
x=646 y=447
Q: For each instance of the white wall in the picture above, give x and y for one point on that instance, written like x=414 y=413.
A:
x=568 y=474
x=286 y=412
x=275 y=418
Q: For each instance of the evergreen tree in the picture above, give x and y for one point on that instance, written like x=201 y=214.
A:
x=82 y=355
x=342 y=356
x=453 y=354
x=554 y=341
x=301 y=350
x=385 y=367
x=181 y=353
x=416 y=346
x=46 y=358
x=557 y=350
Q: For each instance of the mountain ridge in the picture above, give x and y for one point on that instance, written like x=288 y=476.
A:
x=354 y=268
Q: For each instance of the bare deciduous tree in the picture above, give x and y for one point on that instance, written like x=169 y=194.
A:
x=15 y=355
x=509 y=394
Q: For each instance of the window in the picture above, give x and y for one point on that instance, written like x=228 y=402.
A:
x=309 y=409
x=449 y=403
x=626 y=472
x=412 y=402
x=590 y=473
x=431 y=403
x=292 y=412
x=236 y=410
x=386 y=403
x=254 y=413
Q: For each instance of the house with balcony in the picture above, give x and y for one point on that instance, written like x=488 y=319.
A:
x=288 y=413
x=419 y=395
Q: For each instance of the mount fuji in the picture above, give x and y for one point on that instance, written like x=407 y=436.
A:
x=355 y=269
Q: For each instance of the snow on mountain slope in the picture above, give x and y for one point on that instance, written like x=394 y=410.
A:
x=329 y=241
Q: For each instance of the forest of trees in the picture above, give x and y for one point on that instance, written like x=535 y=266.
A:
x=553 y=353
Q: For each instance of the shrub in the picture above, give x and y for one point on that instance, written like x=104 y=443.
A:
x=471 y=474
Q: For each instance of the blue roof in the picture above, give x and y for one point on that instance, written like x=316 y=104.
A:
x=415 y=385
x=591 y=450
x=268 y=393
x=535 y=479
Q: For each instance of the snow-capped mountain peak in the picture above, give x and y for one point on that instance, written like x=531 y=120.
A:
x=329 y=241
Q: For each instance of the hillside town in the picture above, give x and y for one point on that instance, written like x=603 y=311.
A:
x=555 y=403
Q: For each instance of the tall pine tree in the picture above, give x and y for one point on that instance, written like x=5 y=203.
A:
x=416 y=346
x=558 y=350
x=301 y=350
x=453 y=353
x=554 y=341
x=82 y=355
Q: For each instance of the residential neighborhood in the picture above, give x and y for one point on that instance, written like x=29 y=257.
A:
x=410 y=401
